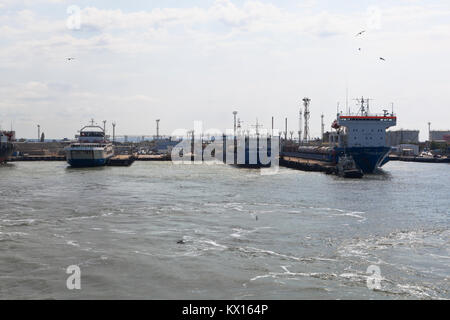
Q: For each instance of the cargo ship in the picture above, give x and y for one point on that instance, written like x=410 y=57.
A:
x=252 y=152
x=247 y=150
x=361 y=136
x=92 y=148
x=6 y=145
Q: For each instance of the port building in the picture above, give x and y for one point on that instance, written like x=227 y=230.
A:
x=398 y=137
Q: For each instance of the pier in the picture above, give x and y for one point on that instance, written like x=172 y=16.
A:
x=154 y=157
x=38 y=158
x=419 y=159
x=121 y=161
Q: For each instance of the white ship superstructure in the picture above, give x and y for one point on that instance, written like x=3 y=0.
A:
x=92 y=149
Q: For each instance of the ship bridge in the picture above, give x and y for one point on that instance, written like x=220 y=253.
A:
x=363 y=129
x=92 y=134
x=367 y=130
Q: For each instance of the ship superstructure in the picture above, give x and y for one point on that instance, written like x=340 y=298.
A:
x=360 y=136
x=363 y=136
x=92 y=148
x=6 y=145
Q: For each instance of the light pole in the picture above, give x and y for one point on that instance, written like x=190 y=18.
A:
x=114 y=132
x=39 y=132
x=429 y=131
x=272 y=128
x=157 y=129
x=285 y=129
x=235 y=113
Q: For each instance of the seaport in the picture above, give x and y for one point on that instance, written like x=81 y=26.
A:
x=224 y=155
x=358 y=144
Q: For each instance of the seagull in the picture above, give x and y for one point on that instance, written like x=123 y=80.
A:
x=381 y=58
x=360 y=33
x=68 y=59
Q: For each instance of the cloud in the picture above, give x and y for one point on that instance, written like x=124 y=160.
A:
x=253 y=53
x=22 y=3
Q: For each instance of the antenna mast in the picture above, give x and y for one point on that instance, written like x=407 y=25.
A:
x=306 y=115
x=364 y=106
x=300 y=125
x=346 y=100
x=322 y=126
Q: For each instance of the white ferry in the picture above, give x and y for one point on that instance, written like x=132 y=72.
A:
x=92 y=148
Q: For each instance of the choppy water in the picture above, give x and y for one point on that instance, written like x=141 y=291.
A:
x=294 y=235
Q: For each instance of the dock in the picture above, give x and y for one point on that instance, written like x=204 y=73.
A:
x=419 y=159
x=154 y=157
x=38 y=158
x=121 y=161
x=307 y=164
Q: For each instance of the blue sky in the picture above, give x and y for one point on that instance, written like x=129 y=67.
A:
x=181 y=61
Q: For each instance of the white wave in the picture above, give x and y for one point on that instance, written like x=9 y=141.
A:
x=72 y=243
x=285 y=256
x=289 y=274
x=17 y=222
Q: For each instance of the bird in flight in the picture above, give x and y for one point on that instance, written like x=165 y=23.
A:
x=360 y=33
x=381 y=58
x=68 y=59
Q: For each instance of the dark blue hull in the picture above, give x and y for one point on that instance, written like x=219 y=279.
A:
x=6 y=150
x=367 y=159
x=253 y=158
x=78 y=163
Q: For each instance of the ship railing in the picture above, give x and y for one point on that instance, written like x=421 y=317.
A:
x=83 y=145
x=351 y=114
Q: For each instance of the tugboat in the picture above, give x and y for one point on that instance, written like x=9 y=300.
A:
x=92 y=148
x=346 y=168
x=6 y=145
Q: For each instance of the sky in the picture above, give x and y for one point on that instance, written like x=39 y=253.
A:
x=200 y=60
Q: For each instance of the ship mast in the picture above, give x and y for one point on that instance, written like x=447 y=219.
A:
x=364 y=109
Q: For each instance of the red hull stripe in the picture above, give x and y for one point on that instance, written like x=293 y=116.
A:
x=361 y=117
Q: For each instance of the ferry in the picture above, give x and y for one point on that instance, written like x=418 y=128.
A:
x=92 y=148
